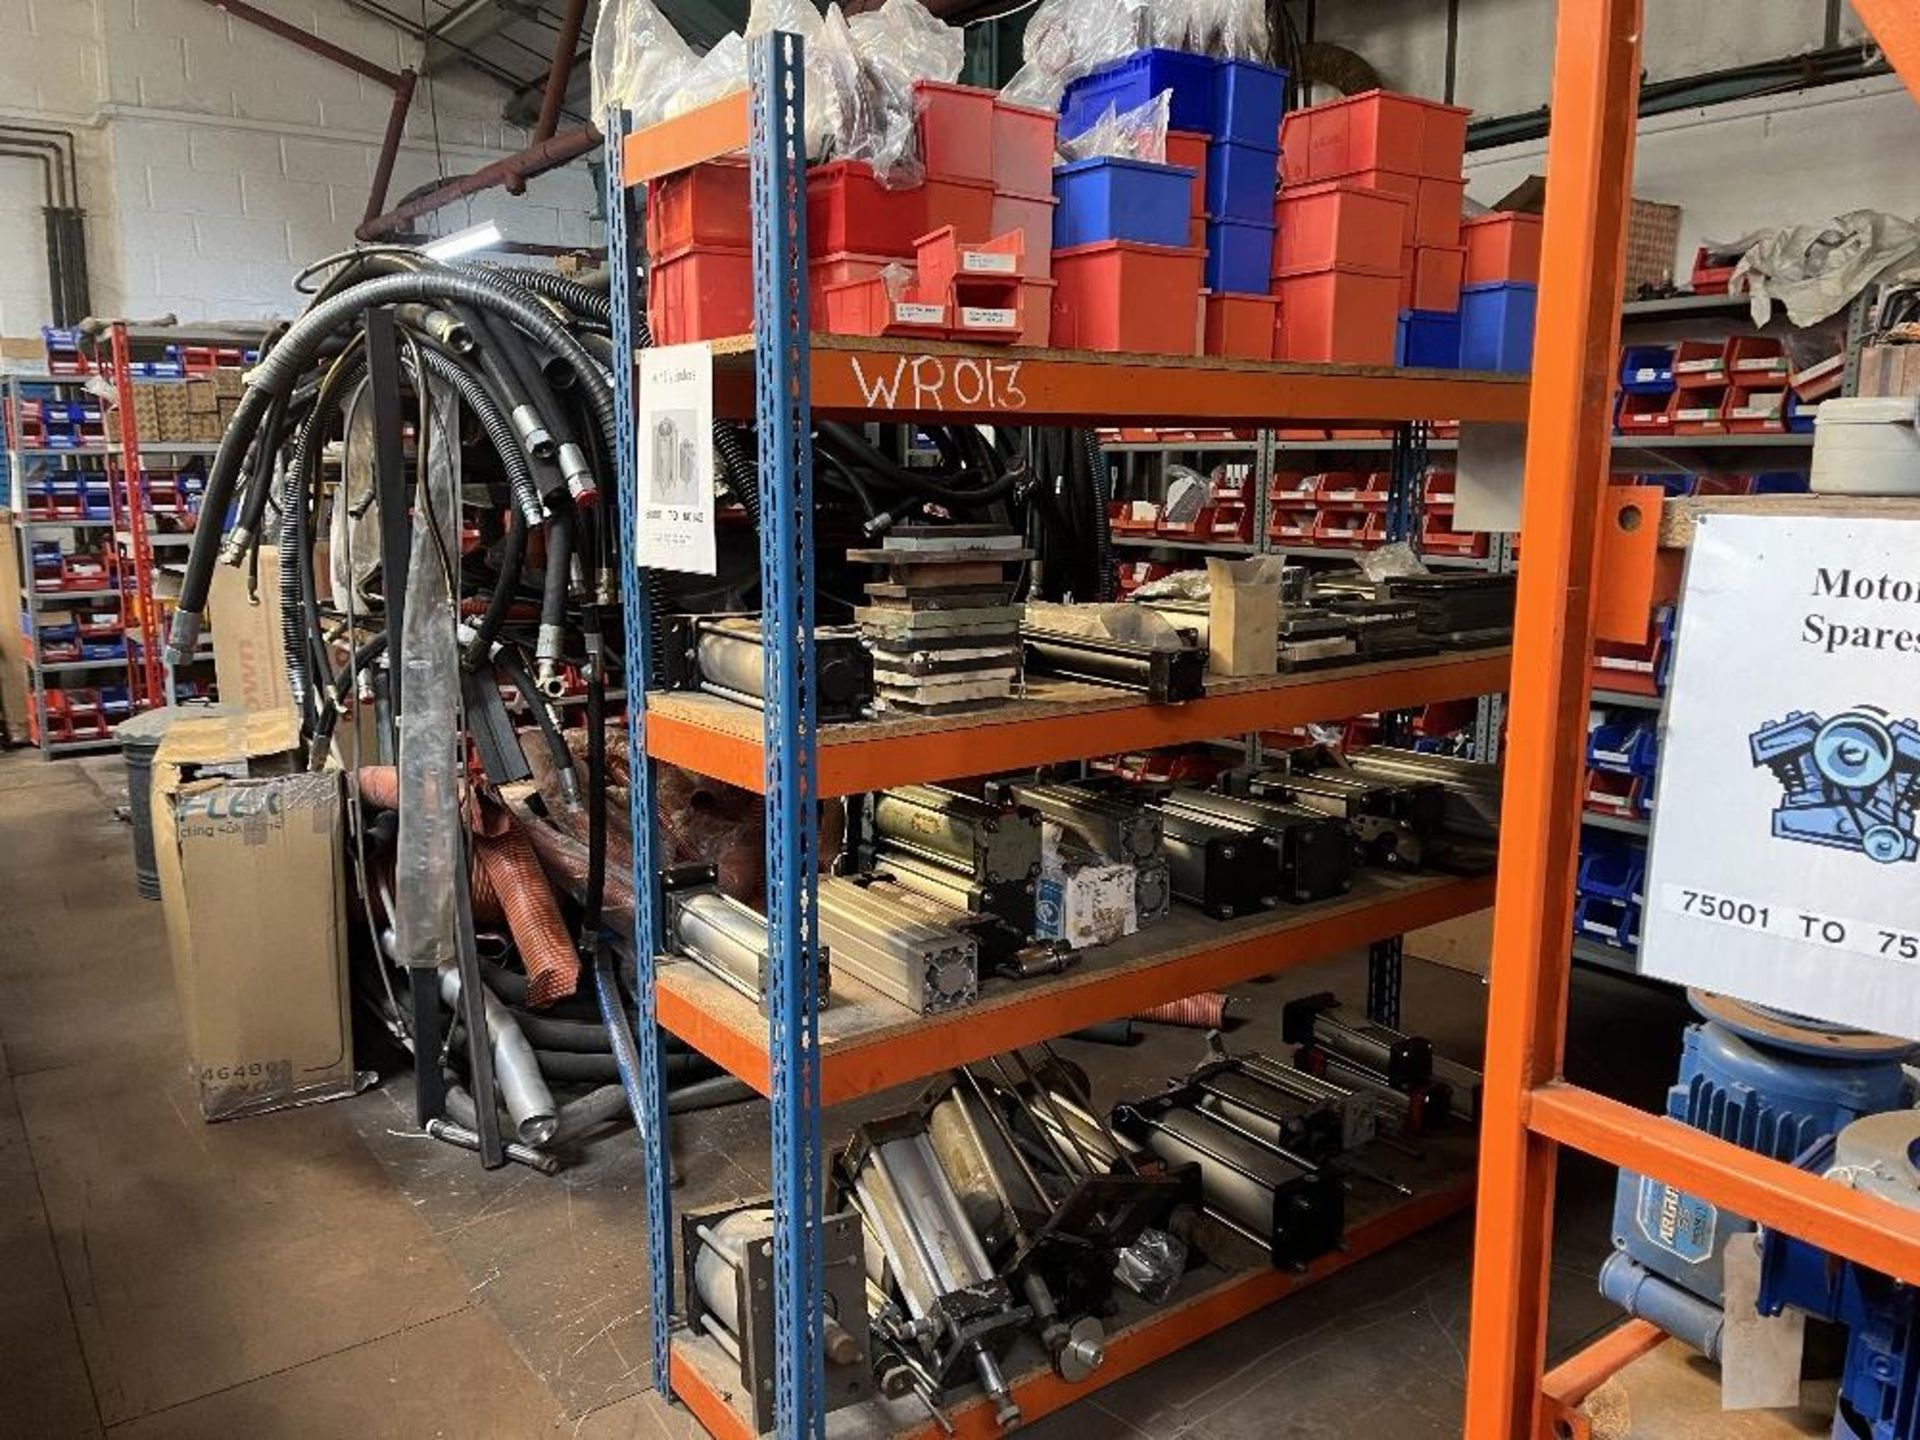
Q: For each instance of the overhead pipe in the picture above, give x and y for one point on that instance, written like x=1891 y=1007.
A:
x=564 y=50
x=390 y=142
x=549 y=154
x=308 y=41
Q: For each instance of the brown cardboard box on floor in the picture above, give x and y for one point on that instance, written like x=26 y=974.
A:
x=247 y=843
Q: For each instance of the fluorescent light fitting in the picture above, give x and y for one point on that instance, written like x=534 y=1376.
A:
x=464 y=242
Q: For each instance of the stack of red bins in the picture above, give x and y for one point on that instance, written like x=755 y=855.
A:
x=700 y=239
x=1023 y=141
x=856 y=229
x=1383 y=142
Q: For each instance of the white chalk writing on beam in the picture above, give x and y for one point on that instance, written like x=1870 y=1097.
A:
x=940 y=382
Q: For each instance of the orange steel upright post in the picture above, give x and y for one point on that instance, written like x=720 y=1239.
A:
x=1596 y=87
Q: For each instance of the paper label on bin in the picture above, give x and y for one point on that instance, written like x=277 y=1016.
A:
x=978 y=317
x=913 y=312
x=987 y=262
x=1784 y=862
x=673 y=519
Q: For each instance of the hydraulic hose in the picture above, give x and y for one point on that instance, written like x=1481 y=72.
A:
x=282 y=367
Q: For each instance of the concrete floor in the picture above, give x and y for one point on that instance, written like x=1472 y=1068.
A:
x=327 y=1272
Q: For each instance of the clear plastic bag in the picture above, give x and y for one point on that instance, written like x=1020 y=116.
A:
x=721 y=71
x=900 y=43
x=1229 y=29
x=1392 y=560
x=639 y=60
x=1067 y=38
x=1136 y=134
x=1152 y=1265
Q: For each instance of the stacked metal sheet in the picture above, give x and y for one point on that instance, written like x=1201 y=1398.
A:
x=944 y=625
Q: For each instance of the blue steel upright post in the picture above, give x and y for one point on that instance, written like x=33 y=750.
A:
x=651 y=1125
x=777 y=82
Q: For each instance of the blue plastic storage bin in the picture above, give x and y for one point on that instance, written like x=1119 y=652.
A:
x=1428 y=337
x=1247 y=100
x=1108 y=198
x=1611 y=867
x=1496 y=327
x=1239 y=257
x=1241 y=181
x=1781 y=482
x=1646 y=369
x=1130 y=82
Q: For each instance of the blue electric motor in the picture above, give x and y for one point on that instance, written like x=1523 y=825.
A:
x=1768 y=1082
x=1880 y=1385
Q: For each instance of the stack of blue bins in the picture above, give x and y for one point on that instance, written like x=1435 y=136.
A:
x=1108 y=197
x=1608 y=888
x=1237 y=105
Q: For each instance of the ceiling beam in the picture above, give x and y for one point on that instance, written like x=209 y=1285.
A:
x=457 y=32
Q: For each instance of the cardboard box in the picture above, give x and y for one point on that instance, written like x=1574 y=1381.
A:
x=249 y=655
x=1243 y=615
x=1085 y=904
x=1889 y=370
x=252 y=881
x=200 y=397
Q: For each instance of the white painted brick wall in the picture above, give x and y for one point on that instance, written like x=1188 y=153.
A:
x=218 y=159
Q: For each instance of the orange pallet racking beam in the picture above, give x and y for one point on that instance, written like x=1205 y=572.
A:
x=722 y=739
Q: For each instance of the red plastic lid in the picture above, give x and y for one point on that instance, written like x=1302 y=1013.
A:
x=1492 y=215
x=834 y=256
x=693 y=247
x=1381 y=92
x=1342 y=186
x=950 y=87
x=1048 y=115
x=1104 y=247
x=833 y=169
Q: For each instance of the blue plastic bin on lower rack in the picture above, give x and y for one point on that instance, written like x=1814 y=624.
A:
x=1607 y=888
x=1496 y=327
x=1622 y=752
x=1241 y=181
x=1429 y=338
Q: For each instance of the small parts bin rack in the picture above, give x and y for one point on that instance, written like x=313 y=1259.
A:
x=1576 y=546
x=802 y=1059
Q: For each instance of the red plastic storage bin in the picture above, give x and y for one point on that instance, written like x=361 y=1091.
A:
x=1338 y=223
x=956 y=129
x=1757 y=409
x=1241 y=326
x=1700 y=410
x=1338 y=315
x=1377 y=130
x=1756 y=360
x=706 y=205
x=1434 y=275
x=1022 y=149
x=1436 y=213
x=1032 y=216
x=1700 y=364
x=701 y=294
x=1502 y=247
x=1118 y=295
x=966 y=205
x=1188 y=149
x=1036 y=312
x=849 y=210
x=868 y=307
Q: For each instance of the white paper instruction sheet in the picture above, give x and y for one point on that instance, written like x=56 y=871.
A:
x=673 y=516
x=1785 y=865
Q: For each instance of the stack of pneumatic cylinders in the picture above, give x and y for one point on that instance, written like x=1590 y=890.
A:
x=1003 y=1217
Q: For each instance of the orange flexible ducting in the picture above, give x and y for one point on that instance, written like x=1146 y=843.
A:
x=1205 y=1011
x=507 y=884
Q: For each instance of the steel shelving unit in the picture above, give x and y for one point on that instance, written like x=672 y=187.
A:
x=1530 y=1111
x=792 y=1051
